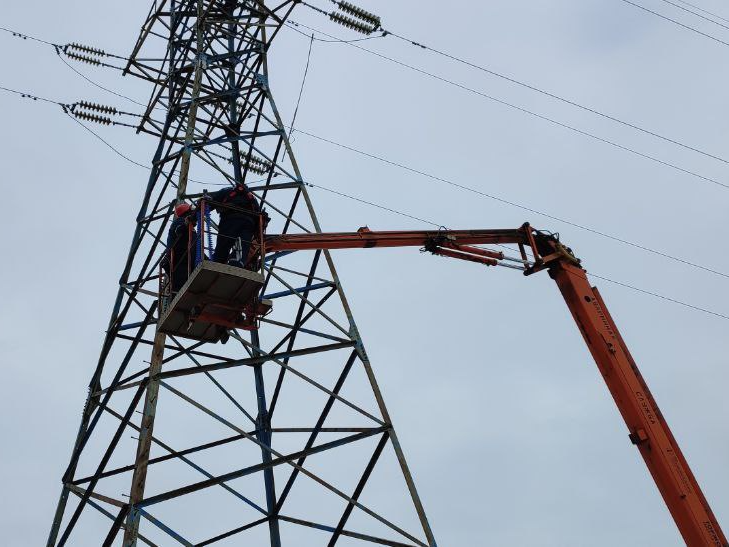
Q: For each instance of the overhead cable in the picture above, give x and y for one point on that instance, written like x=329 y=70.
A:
x=85 y=110
x=695 y=13
x=301 y=92
x=449 y=56
x=456 y=185
x=23 y=36
x=78 y=48
x=30 y=96
x=130 y=160
x=675 y=22
x=59 y=49
x=420 y=219
x=564 y=100
x=527 y=111
x=381 y=34
x=704 y=11
x=515 y=204
x=609 y=280
x=113 y=149
x=549 y=94
x=661 y=296
x=89 y=80
x=84 y=105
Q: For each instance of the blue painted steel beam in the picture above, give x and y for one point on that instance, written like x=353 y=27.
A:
x=274 y=256
x=289 y=292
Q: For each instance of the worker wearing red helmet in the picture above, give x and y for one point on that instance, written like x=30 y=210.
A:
x=181 y=240
x=239 y=211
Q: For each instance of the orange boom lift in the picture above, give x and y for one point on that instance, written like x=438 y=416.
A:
x=538 y=251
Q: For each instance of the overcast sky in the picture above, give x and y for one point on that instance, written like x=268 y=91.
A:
x=512 y=437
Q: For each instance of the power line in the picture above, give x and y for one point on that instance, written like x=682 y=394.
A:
x=293 y=24
x=99 y=85
x=25 y=95
x=303 y=83
x=341 y=41
x=661 y=296
x=420 y=219
x=515 y=204
x=301 y=92
x=609 y=280
x=529 y=112
x=695 y=13
x=675 y=22
x=115 y=150
x=703 y=10
x=373 y=204
x=425 y=221
x=23 y=36
x=432 y=177
x=80 y=109
x=550 y=94
x=67 y=109
x=59 y=49
x=564 y=100
x=130 y=160
x=385 y=208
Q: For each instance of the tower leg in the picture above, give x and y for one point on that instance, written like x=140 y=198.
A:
x=264 y=436
x=60 y=509
x=145 y=442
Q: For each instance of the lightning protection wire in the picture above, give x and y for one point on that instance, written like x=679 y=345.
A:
x=527 y=111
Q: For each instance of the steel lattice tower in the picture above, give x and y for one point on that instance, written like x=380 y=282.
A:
x=271 y=409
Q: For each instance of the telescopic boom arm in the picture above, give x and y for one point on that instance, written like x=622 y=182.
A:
x=648 y=429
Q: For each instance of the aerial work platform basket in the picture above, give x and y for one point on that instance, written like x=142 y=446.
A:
x=216 y=297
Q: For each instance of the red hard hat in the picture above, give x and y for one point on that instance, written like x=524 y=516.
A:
x=181 y=209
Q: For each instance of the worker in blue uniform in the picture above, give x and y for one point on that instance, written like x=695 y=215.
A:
x=181 y=243
x=239 y=221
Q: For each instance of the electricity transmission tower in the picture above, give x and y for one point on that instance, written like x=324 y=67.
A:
x=279 y=436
